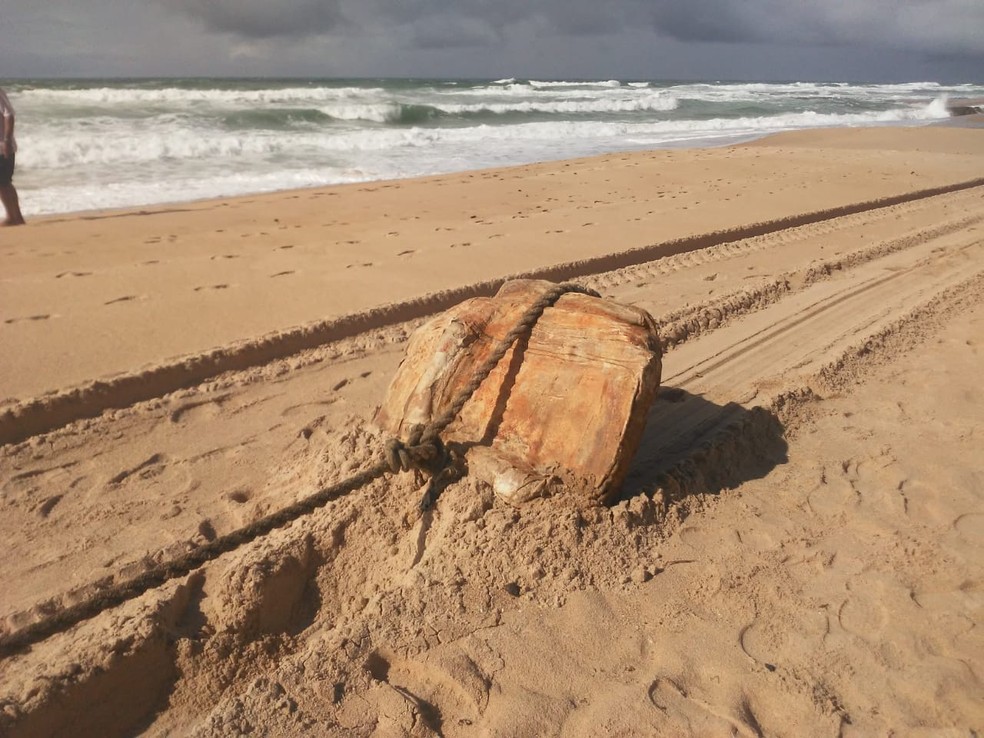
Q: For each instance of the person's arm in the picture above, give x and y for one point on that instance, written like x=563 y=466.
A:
x=7 y=138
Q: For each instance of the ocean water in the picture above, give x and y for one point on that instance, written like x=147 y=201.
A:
x=95 y=144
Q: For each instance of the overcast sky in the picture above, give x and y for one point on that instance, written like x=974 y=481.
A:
x=850 y=40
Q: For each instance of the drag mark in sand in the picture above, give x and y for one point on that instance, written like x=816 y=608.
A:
x=29 y=318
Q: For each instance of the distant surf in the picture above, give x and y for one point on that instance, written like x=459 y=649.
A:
x=96 y=144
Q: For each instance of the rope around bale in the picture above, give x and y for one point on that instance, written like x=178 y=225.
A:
x=422 y=451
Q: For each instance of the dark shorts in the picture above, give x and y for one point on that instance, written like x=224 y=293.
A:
x=6 y=170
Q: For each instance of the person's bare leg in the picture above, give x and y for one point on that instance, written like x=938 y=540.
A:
x=11 y=203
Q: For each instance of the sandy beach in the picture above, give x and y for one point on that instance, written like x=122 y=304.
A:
x=797 y=550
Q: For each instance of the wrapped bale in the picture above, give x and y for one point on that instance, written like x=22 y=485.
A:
x=565 y=407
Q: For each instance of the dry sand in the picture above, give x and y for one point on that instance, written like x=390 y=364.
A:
x=797 y=551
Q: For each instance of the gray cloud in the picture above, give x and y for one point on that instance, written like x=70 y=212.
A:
x=940 y=26
x=453 y=32
x=258 y=19
x=710 y=20
x=871 y=40
x=937 y=26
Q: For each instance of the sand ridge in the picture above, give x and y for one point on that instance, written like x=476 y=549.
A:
x=797 y=550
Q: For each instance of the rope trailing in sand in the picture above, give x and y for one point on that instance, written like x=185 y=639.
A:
x=423 y=451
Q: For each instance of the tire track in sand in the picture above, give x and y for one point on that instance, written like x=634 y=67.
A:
x=40 y=415
x=737 y=376
x=705 y=416
x=742 y=374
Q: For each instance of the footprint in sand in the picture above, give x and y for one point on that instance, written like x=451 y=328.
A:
x=152 y=466
x=701 y=538
x=407 y=252
x=207 y=531
x=125 y=298
x=692 y=716
x=366 y=264
x=48 y=505
x=285 y=247
x=774 y=643
x=873 y=602
x=11 y=321
x=832 y=497
x=282 y=274
x=222 y=256
x=239 y=496
x=72 y=274
x=200 y=409
x=306 y=407
x=970 y=526
x=922 y=501
x=212 y=287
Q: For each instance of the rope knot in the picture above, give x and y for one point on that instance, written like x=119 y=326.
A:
x=418 y=453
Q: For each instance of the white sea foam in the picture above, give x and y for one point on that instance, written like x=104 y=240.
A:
x=114 y=144
x=537 y=84
x=656 y=102
x=171 y=96
x=376 y=112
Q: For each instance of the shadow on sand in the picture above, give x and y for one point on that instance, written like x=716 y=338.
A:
x=703 y=447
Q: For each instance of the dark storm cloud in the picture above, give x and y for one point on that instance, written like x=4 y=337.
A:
x=938 y=26
x=935 y=26
x=433 y=24
x=433 y=19
x=708 y=20
x=257 y=19
x=688 y=39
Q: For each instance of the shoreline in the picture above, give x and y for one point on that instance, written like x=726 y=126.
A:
x=180 y=205
x=970 y=116
x=326 y=132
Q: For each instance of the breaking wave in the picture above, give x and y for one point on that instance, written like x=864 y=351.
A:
x=113 y=143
